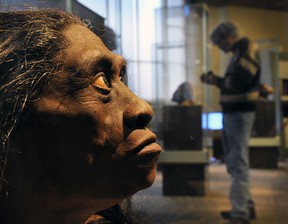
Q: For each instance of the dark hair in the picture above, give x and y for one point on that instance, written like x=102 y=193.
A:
x=223 y=30
x=29 y=44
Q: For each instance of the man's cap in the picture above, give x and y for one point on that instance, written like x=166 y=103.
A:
x=222 y=31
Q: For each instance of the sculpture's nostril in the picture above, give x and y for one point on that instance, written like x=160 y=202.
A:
x=142 y=120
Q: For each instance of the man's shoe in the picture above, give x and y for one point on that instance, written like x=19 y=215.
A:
x=227 y=214
x=239 y=221
x=252 y=213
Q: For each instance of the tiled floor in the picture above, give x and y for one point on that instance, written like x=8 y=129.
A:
x=269 y=188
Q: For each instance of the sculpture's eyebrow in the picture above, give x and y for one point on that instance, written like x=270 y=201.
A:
x=122 y=62
x=104 y=63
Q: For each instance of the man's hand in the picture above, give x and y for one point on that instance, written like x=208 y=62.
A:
x=209 y=78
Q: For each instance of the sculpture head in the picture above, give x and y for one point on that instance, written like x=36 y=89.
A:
x=70 y=127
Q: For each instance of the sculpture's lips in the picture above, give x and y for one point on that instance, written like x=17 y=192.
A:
x=152 y=148
x=146 y=147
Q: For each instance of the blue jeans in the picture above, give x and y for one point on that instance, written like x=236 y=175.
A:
x=235 y=137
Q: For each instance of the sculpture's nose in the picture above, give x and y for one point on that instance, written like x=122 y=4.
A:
x=138 y=114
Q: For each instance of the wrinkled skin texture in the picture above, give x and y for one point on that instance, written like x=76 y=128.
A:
x=87 y=133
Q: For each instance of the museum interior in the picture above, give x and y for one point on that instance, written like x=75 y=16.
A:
x=167 y=46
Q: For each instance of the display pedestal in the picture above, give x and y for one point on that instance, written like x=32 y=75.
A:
x=264 y=157
x=264 y=152
x=183 y=161
x=184 y=172
x=263 y=144
x=184 y=179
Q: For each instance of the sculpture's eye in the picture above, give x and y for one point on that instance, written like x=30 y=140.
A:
x=100 y=81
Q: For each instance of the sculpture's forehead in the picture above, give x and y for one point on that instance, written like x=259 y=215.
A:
x=84 y=45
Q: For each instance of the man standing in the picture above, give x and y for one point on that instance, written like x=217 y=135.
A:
x=238 y=94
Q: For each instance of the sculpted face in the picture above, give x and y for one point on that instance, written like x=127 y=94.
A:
x=88 y=129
